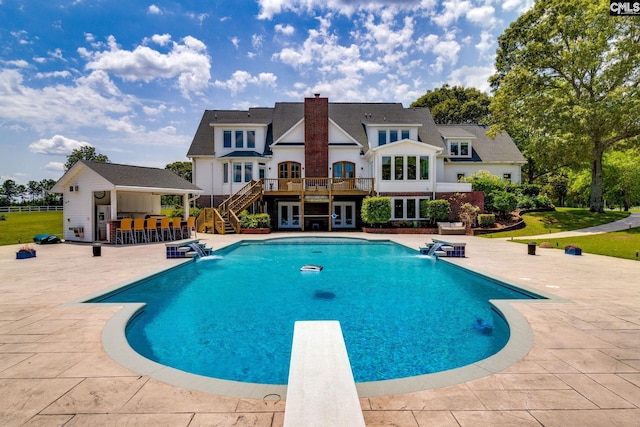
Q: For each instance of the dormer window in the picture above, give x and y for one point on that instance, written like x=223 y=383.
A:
x=459 y=149
x=386 y=136
x=239 y=139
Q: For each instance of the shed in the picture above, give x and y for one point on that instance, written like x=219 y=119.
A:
x=96 y=193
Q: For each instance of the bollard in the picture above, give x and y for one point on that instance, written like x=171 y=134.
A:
x=532 y=248
x=97 y=249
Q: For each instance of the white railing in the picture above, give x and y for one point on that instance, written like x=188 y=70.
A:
x=30 y=209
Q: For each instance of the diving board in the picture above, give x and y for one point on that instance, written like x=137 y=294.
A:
x=321 y=390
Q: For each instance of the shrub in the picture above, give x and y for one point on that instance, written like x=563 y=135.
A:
x=247 y=220
x=3 y=217
x=543 y=201
x=504 y=202
x=376 y=210
x=435 y=210
x=526 y=202
x=486 y=220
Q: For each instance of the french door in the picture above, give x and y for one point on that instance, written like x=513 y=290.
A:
x=343 y=215
x=288 y=215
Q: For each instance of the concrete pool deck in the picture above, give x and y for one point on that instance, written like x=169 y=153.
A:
x=583 y=369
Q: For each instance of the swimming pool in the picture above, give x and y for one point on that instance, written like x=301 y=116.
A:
x=231 y=316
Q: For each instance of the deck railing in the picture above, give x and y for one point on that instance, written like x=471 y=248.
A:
x=318 y=185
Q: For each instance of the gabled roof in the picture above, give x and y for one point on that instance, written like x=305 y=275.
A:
x=500 y=149
x=132 y=176
x=351 y=117
x=202 y=144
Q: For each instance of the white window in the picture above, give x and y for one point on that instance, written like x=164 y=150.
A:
x=459 y=149
x=400 y=168
x=407 y=208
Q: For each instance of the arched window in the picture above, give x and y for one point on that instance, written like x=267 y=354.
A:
x=344 y=170
x=289 y=170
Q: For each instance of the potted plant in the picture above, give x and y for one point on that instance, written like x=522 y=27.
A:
x=573 y=250
x=26 y=251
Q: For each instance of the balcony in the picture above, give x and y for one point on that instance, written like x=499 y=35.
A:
x=326 y=187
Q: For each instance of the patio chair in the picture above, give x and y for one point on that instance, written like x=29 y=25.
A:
x=151 y=228
x=139 y=233
x=189 y=227
x=163 y=229
x=124 y=231
x=176 y=227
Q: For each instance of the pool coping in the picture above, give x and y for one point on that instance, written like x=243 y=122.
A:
x=117 y=347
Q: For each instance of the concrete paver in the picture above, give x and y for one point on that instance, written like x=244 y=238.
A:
x=583 y=369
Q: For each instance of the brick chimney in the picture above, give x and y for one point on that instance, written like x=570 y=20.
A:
x=316 y=137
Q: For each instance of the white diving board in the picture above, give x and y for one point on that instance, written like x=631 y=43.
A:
x=321 y=390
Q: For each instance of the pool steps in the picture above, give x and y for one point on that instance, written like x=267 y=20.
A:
x=321 y=390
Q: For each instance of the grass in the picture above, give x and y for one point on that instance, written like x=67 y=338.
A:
x=619 y=244
x=22 y=226
x=562 y=219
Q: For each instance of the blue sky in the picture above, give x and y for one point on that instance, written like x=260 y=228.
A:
x=132 y=78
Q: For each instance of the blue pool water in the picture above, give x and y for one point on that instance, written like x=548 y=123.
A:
x=231 y=316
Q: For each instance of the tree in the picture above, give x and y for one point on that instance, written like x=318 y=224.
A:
x=455 y=104
x=622 y=178
x=86 y=152
x=9 y=190
x=569 y=72
x=182 y=169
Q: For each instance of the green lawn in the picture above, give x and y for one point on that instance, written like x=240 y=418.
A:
x=562 y=219
x=22 y=226
x=619 y=244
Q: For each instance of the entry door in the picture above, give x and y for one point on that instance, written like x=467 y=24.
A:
x=344 y=215
x=288 y=215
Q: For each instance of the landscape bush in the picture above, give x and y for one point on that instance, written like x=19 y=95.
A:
x=435 y=210
x=261 y=220
x=376 y=210
x=486 y=220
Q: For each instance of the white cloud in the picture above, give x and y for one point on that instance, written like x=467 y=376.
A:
x=241 y=79
x=188 y=62
x=154 y=10
x=476 y=77
x=235 y=41
x=154 y=111
x=446 y=49
x=56 y=145
x=160 y=39
x=270 y=8
x=256 y=41
x=287 y=30
x=517 y=5
x=453 y=10
x=89 y=101
x=54 y=166
x=483 y=16
x=485 y=44
x=20 y=63
x=53 y=74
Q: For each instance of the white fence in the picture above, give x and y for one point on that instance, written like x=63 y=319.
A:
x=4 y=209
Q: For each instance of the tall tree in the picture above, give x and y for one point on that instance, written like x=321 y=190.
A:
x=86 y=152
x=567 y=70
x=182 y=169
x=9 y=190
x=455 y=104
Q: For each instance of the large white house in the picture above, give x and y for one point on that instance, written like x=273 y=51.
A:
x=313 y=162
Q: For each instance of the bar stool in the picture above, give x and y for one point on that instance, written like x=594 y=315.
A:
x=176 y=227
x=151 y=228
x=139 y=233
x=164 y=229
x=124 y=231
x=191 y=226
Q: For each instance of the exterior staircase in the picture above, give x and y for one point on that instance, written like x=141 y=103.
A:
x=224 y=219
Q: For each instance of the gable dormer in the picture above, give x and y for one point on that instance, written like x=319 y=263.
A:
x=458 y=142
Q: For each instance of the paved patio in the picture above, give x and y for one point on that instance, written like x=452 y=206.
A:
x=583 y=369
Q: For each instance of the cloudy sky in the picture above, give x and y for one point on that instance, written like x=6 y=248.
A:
x=132 y=78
